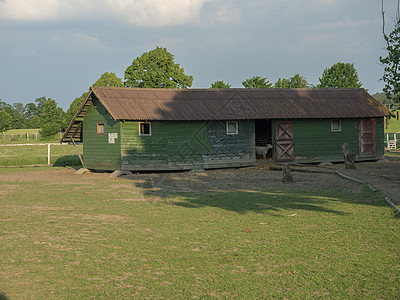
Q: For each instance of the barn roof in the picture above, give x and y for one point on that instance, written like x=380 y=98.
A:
x=229 y=104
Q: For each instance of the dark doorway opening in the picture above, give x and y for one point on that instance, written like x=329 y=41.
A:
x=263 y=135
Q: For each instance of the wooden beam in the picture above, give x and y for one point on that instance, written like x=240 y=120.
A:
x=77 y=151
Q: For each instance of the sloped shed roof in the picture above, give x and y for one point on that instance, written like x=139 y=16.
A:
x=230 y=104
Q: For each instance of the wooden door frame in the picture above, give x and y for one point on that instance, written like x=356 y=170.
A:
x=287 y=142
x=362 y=132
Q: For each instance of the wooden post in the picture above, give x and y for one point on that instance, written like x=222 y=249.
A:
x=287 y=177
x=48 y=154
x=77 y=151
x=348 y=157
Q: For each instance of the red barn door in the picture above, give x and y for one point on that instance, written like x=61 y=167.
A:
x=367 y=137
x=284 y=146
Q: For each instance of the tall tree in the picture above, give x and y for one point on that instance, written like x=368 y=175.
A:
x=5 y=120
x=340 y=75
x=16 y=120
x=20 y=108
x=40 y=105
x=257 y=82
x=52 y=118
x=109 y=79
x=31 y=110
x=220 y=84
x=391 y=75
x=297 y=81
x=156 y=69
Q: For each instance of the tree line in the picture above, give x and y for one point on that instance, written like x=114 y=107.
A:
x=157 y=69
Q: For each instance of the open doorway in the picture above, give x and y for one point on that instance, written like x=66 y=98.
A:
x=263 y=134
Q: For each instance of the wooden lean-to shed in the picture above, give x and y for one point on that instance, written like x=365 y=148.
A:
x=175 y=129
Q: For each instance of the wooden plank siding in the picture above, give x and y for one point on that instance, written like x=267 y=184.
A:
x=184 y=145
x=314 y=141
x=380 y=138
x=97 y=151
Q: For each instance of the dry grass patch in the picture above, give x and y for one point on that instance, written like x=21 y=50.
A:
x=192 y=236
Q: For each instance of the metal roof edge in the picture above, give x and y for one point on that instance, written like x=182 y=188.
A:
x=75 y=116
x=93 y=89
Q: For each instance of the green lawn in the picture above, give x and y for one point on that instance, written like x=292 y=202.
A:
x=27 y=136
x=79 y=237
x=19 y=155
x=394 y=125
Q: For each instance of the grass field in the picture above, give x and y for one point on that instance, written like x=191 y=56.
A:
x=37 y=154
x=24 y=136
x=79 y=237
x=394 y=125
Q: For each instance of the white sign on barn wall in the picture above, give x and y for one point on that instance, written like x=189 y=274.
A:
x=112 y=137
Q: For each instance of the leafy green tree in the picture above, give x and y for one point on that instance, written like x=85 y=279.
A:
x=109 y=79
x=5 y=120
x=34 y=122
x=20 y=108
x=40 y=105
x=282 y=83
x=219 y=84
x=298 y=81
x=73 y=108
x=31 y=110
x=156 y=69
x=340 y=75
x=391 y=75
x=257 y=82
x=52 y=118
x=389 y=103
x=16 y=120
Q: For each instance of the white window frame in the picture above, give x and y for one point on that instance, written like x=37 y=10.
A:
x=236 y=127
x=339 y=125
x=144 y=134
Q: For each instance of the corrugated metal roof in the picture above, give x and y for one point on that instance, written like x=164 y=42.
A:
x=223 y=104
x=227 y=104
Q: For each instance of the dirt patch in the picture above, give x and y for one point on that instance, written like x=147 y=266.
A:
x=384 y=175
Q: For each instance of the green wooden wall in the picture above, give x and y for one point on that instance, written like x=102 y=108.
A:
x=98 y=153
x=314 y=140
x=186 y=145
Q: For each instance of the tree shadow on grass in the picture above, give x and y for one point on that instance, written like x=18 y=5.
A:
x=242 y=201
x=197 y=190
x=3 y=296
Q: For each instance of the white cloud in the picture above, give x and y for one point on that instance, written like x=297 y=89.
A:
x=27 y=9
x=153 y=13
x=228 y=14
x=157 y=13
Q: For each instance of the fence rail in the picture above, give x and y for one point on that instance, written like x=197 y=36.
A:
x=392 y=139
x=37 y=153
x=28 y=137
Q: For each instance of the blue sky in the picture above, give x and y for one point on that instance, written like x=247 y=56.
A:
x=58 y=48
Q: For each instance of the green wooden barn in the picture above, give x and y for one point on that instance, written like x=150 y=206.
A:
x=175 y=129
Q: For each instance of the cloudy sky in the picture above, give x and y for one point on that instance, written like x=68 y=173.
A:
x=58 y=48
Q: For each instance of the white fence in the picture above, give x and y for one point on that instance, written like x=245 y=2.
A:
x=35 y=153
x=391 y=141
x=26 y=137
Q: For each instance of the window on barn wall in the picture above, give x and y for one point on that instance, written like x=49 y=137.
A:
x=100 y=128
x=232 y=127
x=336 y=125
x=144 y=128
